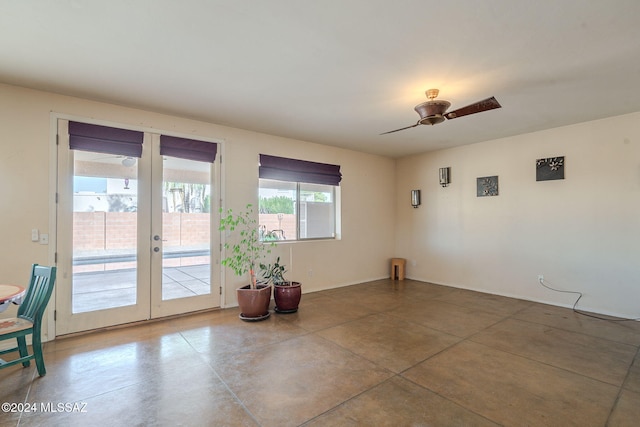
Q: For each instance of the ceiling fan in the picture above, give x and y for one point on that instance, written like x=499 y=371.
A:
x=433 y=111
x=127 y=161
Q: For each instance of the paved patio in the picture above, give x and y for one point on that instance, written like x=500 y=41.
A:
x=117 y=288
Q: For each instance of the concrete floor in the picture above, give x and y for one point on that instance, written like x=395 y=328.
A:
x=382 y=353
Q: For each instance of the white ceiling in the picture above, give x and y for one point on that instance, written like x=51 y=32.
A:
x=336 y=72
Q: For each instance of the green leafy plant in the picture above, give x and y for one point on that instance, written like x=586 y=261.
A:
x=274 y=273
x=248 y=250
x=277 y=204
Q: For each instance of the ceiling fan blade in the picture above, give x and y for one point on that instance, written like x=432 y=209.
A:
x=478 y=107
x=397 y=130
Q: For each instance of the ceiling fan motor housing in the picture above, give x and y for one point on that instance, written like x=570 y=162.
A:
x=432 y=112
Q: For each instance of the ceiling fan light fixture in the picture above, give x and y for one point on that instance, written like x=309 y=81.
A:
x=432 y=93
x=128 y=161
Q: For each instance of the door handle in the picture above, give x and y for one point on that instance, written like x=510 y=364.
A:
x=156 y=238
x=156 y=249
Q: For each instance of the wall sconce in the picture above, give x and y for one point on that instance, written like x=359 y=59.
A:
x=445 y=176
x=415 y=198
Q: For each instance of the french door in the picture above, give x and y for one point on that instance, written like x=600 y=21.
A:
x=134 y=238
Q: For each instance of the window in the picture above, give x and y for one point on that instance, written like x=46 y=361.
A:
x=298 y=199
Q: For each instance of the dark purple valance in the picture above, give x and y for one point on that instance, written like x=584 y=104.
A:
x=284 y=169
x=189 y=149
x=105 y=139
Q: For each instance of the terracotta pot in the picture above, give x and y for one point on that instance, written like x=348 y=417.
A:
x=254 y=303
x=287 y=297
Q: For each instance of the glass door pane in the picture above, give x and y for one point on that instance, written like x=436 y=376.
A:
x=186 y=228
x=105 y=218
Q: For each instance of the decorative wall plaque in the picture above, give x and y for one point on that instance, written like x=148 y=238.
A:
x=487 y=186
x=550 y=168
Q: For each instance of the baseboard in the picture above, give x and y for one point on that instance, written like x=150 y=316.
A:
x=532 y=299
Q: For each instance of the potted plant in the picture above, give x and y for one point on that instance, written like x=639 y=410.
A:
x=246 y=254
x=286 y=293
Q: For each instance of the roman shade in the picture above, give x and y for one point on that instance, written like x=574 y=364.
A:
x=284 y=169
x=105 y=139
x=189 y=149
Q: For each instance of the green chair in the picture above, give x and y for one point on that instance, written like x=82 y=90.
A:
x=29 y=320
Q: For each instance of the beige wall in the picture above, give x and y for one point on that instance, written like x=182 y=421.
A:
x=582 y=233
x=367 y=237
x=26 y=168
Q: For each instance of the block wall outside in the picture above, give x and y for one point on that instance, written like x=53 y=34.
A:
x=116 y=233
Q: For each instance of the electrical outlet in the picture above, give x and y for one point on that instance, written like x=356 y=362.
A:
x=540 y=278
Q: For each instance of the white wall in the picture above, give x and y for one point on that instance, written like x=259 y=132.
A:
x=26 y=168
x=582 y=233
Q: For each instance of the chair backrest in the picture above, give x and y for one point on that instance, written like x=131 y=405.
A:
x=38 y=293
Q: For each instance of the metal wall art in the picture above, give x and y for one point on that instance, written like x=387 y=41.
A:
x=550 y=168
x=487 y=186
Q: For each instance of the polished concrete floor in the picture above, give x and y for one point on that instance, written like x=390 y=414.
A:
x=382 y=353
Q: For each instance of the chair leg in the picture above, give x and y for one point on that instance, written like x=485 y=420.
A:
x=37 y=353
x=22 y=348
